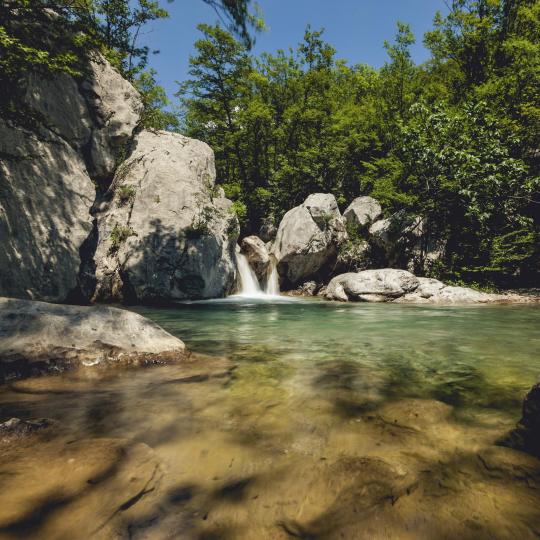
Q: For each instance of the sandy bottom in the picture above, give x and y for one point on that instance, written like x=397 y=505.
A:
x=209 y=450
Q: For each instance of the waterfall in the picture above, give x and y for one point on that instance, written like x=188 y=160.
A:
x=249 y=285
x=272 y=279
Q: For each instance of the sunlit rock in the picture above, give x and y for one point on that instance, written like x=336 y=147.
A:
x=165 y=233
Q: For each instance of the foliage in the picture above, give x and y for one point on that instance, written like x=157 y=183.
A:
x=125 y=194
x=51 y=36
x=455 y=139
x=119 y=235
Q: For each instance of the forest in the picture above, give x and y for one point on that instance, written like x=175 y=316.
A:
x=455 y=139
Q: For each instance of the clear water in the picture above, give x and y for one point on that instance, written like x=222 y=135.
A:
x=462 y=355
x=303 y=419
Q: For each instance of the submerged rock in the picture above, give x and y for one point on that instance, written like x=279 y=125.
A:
x=36 y=337
x=165 y=233
x=15 y=427
x=308 y=238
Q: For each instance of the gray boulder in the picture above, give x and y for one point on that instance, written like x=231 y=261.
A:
x=436 y=292
x=404 y=241
x=383 y=285
x=362 y=212
x=308 y=240
x=37 y=337
x=400 y=286
x=165 y=232
x=257 y=255
x=48 y=172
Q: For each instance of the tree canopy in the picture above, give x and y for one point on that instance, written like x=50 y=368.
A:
x=455 y=139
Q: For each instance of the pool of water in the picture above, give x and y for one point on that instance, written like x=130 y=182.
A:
x=466 y=356
x=298 y=419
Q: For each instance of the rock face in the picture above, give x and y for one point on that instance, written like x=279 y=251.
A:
x=403 y=241
x=36 y=336
x=165 y=233
x=392 y=285
x=362 y=212
x=308 y=240
x=526 y=436
x=47 y=168
x=257 y=255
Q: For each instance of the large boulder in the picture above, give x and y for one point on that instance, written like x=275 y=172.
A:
x=165 y=232
x=404 y=241
x=362 y=212
x=308 y=240
x=49 y=167
x=433 y=291
x=37 y=337
x=526 y=436
x=400 y=286
x=382 y=285
x=257 y=255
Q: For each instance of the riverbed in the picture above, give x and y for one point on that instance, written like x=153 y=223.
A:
x=299 y=419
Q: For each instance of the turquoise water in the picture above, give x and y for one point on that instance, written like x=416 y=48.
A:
x=473 y=356
x=298 y=419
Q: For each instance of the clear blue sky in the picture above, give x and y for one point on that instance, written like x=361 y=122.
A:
x=356 y=28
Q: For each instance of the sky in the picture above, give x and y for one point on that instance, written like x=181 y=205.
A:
x=355 y=28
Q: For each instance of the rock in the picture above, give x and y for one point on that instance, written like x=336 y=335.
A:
x=393 y=285
x=434 y=291
x=382 y=285
x=257 y=255
x=36 y=337
x=404 y=241
x=354 y=256
x=526 y=436
x=15 y=427
x=268 y=230
x=308 y=239
x=362 y=212
x=48 y=171
x=164 y=235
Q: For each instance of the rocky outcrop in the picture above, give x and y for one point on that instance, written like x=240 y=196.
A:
x=371 y=285
x=393 y=285
x=67 y=136
x=526 y=436
x=257 y=255
x=37 y=337
x=165 y=232
x=308 y=240
x=362 y=212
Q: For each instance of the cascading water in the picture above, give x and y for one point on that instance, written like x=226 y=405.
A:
x=272 y=281
x=248 y=284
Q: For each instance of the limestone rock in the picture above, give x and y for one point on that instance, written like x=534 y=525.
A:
x=37 y=336
x=434 y=291
x=47 y=174
x=308 y=239
x=165 y=233
x=393 y=285
x=526 y=436
x=257 y=255
x=372 y=285
x=363 y=211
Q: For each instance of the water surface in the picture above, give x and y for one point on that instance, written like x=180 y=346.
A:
x=307 y=419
